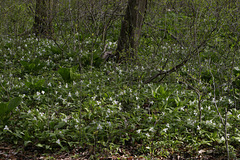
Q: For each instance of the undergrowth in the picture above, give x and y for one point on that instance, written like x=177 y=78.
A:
x=106 y=108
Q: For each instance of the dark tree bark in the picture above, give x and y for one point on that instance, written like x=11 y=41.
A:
x=131 y=29
x=43 y=18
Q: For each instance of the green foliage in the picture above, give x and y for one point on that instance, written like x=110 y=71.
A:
x=65 y=73
x=105 y=108
x=236 y=82
x=33 y=66
x=109 y=107
x=7 y=107
x=55 y=50
x=34 y=84
x=69 y=74
x=94 y=58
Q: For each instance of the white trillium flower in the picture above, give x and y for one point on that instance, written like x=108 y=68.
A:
x=74 y=83
x=147 y=134
x=99 y=126
x=98 y=102
x=151 y=129
x=139 y=131
x=165 y=129
x=6 y=128
x=115 y=102
x=77 y=93
x=58 y=142
x=65 y=120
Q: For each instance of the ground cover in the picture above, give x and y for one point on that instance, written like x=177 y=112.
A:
x=105 y=109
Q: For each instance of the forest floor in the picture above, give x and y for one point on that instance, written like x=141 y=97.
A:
x=8 y=151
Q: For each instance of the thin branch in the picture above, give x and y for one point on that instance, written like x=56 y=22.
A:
x=166 y=31
x=189 y=56
x=220 y=116
x=214 y=99
x=197 y=91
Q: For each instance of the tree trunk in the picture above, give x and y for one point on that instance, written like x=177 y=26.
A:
x=131 y=29
x=43 y=18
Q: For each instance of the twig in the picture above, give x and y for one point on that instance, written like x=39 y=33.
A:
x=198 y=95
x=220 y=116
x=189 y=56
x=166 y=31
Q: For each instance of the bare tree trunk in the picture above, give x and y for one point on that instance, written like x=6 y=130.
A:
x=131 y=29
x=43 y=18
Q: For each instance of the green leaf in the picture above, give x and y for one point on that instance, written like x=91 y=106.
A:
x=65 y=74
x=3 y=109
x=73 y=74
x=69 y=74
x=27 y=142
x=25 y=64
x=6 y=108
x=13 y=103
x=59 y=125
x=39 y=145
x=31 y=66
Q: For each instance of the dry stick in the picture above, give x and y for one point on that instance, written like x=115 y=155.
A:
x=58 y=45
x=189 y=56
x=164 y=65
x=166 y=31
x=219 y=114
x=108 y=24
x=65 y=42
x=198 y=95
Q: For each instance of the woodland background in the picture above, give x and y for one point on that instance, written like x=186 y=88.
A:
x=115 y=79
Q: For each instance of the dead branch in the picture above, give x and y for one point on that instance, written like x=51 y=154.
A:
x=166 y=31
x=189 y=56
